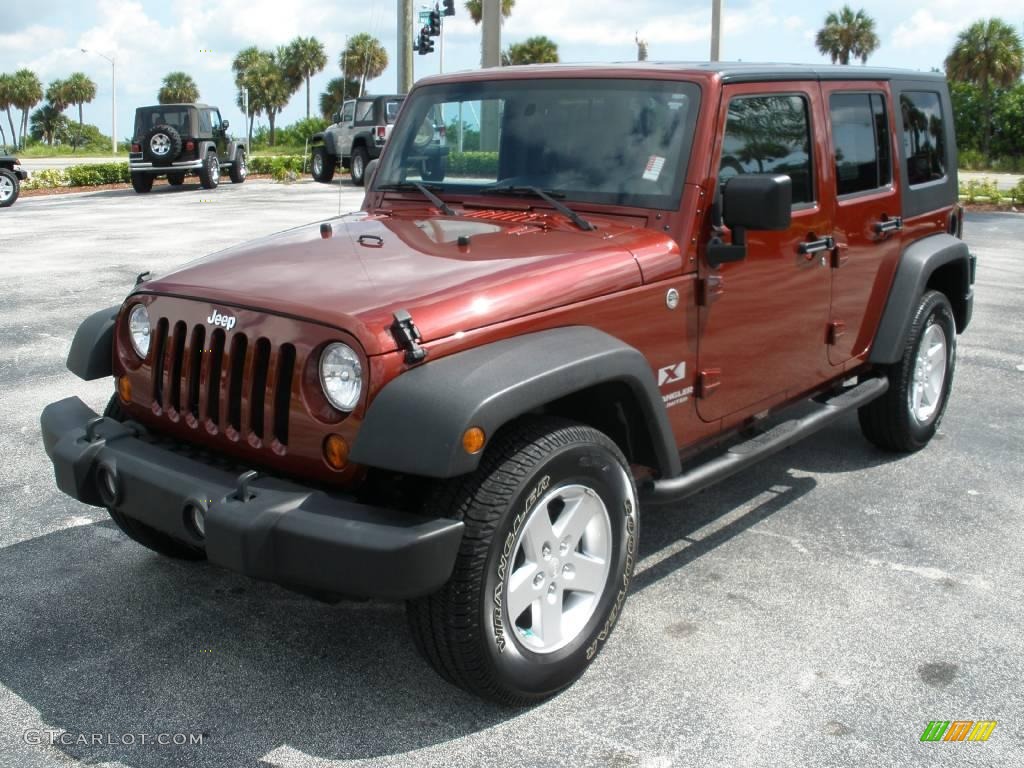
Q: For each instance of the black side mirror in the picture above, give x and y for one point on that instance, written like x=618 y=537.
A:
x=761 y=202
x=336 y=117
x=225 y=125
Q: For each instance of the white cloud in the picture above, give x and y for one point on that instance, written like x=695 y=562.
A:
x=923 y=28
x=794 y=23
x=37 y=37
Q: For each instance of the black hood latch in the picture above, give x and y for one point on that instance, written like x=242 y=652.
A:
x=408 y=337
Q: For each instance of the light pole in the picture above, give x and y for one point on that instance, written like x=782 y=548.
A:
x=716 y=29
x=113 y=98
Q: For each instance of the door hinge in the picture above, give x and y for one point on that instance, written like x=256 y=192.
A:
x=709 y=380
x=840 y=255
x=408 y=337
x=836 y=330
x=711 y=290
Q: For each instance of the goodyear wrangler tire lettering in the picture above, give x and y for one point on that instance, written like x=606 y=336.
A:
x=548 y=498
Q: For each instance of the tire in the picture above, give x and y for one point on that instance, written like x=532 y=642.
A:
x=10 y=188
x=142 y=182
x=140 y=532
x=532 y=468
x=175 y=179
x=239 y=169
x=161 y=144
x=360 y=158
x=209 y=171
x=322 y=165
x=907 y=416
x=434 y=169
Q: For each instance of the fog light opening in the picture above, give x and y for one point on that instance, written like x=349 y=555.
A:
x=106 y=484
x=195 y=518
x=336 y=452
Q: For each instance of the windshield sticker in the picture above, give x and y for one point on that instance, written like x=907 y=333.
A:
x=655 y=164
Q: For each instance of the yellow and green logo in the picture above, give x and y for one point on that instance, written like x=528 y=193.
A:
x=958 y=730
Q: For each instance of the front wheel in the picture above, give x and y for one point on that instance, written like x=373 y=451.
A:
x=323 y=165
x=360 y=159
x=551 y=530
x=907 y=416
x=9 y=188
x=175 y=179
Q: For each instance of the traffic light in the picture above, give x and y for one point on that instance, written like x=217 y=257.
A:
x=435 y=23
x=425 y=44
x=449 y=7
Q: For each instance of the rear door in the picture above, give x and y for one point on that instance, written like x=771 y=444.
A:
x=762 y=320
x=867 y=217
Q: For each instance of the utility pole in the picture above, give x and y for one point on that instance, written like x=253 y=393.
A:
x=491 y=57
x=404 y=46
x=716 y=29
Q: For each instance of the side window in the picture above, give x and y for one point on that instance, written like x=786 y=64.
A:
x=924 y=136
x=215 y=119
x=364 y=111
x=348 y=112
x=205 y=126
x=769 y=134
x=860 y=142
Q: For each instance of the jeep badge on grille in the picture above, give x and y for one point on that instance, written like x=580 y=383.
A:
x=224 y=321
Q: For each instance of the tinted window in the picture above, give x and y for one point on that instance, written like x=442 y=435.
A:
x=860 y=142
x=176 y=117
x=769 y=134
x=205 y=123
x=364 y=111
x=924 y=137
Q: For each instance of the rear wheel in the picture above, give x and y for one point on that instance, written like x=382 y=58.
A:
x=142 y=182
x=907 y=416
x=175 y=179
x=360 y=159
x=10 y=188
x=323 y=165
x=140 y=532
x=551 y=529
x=209 y=172
x=239 y=170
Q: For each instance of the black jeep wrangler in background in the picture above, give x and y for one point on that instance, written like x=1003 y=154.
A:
x=11 y=176
x=175 y=140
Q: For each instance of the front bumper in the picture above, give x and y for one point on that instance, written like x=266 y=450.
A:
x=265 y=528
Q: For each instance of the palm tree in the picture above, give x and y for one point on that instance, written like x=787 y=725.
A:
x=338 y=89
x=7 y=101
x=247 y=60
x=57 y=94
x=81 y=90
x=28 y=92
x=303 y=58
x=47 y=123
x=363 y=58
x=847 y=33
x=269 y=87
x=534 y=50
x=476 y=11
x=988 y=54
x=178 y=88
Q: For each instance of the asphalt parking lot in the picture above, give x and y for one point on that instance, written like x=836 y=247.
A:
x=818 y=610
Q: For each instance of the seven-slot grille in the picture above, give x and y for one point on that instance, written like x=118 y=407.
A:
x=234 y=384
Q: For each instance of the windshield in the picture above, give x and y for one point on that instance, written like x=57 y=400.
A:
x=618 y=142
x=176 y=117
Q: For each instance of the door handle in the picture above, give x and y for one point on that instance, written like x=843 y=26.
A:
x=812 y=247
x=894 y=224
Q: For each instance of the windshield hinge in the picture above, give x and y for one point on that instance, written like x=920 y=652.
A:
x=408 y=337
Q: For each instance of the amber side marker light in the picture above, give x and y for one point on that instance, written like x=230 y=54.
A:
x=473 y=440
x=335 y=452
x=124 y=389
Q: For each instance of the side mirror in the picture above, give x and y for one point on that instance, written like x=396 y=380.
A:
x=761 y=202
x=336 y=117
x=225 y=125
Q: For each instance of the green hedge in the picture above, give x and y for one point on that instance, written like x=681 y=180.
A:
x=473 y=163
x=95 y=175
x=276 y=166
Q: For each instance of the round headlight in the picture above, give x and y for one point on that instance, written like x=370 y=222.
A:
x=341 y=376
x=138 y=329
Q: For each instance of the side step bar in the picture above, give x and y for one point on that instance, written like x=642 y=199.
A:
x=783 y=435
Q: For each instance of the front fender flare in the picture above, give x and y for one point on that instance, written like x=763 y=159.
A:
x=415 y=423
x=92 y=350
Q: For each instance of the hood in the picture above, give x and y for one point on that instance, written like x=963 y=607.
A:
x=451 y=274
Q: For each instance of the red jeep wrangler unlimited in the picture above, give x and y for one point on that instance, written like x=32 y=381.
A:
x=460 y=395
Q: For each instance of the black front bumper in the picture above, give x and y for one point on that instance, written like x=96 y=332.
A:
x=267 y=529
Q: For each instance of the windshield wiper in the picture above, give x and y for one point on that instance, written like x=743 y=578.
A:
x=561 y=207
x=440 y=204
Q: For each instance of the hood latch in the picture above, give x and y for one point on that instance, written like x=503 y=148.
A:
x=408 y=337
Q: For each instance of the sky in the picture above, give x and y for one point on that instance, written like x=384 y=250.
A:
x=149 y=38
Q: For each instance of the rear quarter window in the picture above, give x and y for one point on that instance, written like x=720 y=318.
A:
x=924 y=137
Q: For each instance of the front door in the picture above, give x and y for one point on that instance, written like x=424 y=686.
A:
x=867 y=223
x=220 y=136
x=763 y=320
